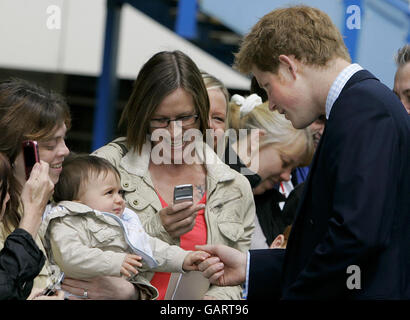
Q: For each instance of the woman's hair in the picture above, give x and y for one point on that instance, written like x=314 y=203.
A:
x=304 y=32
x=403 y=56
x=28 y=112
x=279 y=131
x=161 y=75
x=9 y=184
x=212 y=82
x=5 y=172
x=78 y=169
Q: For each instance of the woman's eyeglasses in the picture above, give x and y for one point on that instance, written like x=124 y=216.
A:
x=184 y=121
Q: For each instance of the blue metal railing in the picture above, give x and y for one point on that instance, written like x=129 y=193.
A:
x=104 y=114
x=185 y=24
x=351 y=28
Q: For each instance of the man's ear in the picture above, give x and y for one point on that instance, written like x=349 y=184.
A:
x=289 y=66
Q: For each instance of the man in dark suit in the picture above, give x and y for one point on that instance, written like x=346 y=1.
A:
x=351 y=235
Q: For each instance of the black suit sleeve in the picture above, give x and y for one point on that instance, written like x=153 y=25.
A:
x=20 y=262
x=363 y=162
x=265 y=271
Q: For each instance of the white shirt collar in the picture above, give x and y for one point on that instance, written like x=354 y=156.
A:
x=339 y=84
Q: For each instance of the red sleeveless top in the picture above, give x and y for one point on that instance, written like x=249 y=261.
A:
x=196 y=236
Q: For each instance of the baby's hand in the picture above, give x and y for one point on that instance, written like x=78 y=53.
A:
x=192 y=260
x=130 y=261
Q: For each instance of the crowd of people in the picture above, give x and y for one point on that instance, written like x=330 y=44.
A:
x=292 y=183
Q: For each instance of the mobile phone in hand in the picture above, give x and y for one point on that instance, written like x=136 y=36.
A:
x=31 y=155
x=183 y=192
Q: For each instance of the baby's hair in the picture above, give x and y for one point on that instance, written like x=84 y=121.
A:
x=78 y=169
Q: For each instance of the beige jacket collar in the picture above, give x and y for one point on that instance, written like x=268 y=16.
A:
x=64 y=208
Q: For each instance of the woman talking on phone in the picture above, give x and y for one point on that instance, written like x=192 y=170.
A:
x=21 y=259
x=169 y=101
x=30 y=112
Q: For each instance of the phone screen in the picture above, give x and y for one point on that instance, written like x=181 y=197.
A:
x=31 y=156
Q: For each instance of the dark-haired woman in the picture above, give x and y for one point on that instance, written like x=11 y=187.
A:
x=21 y=260
x=166 y=119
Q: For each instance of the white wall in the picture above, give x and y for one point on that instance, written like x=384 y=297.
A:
x=26 y=43
x=77 y=47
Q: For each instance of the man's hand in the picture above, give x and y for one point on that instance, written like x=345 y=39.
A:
x=225 y=267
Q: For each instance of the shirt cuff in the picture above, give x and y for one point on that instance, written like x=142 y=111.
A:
x=246 y=286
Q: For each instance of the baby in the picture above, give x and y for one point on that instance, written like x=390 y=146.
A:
x=90 y=233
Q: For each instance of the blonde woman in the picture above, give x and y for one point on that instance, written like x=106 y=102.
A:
x=218 y=110
x=271 y=148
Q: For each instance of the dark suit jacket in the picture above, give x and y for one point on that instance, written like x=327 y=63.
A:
x=355 y=209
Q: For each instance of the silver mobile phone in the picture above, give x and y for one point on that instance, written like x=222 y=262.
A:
x=183 y=192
